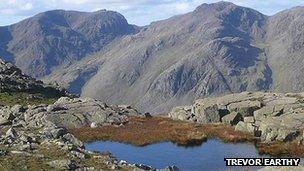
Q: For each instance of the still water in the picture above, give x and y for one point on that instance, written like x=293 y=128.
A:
x=208 y=156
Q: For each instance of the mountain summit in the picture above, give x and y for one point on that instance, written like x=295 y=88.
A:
x=41 y=43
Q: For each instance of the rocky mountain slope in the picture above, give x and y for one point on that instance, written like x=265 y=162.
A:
x=218 y=48
x=12 y=80
x=41 y=43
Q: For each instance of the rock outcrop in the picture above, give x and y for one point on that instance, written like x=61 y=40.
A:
x=12 y=80
x=66 y=112
x=270 y=116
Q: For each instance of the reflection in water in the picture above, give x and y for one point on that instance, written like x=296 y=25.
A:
x=208 y=156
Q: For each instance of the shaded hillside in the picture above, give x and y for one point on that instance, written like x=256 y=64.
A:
x=41 y=43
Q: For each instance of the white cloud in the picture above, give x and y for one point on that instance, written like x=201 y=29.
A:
x=27 y=6
x=139 y=12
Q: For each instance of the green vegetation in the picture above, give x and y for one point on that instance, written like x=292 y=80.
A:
x=24 y=98
x=47 y=153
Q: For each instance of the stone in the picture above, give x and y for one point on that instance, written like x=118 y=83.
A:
x=79 y=112
x=267 y=111
x=282 y=101
x=114 y=167
x=93 y=125
x=245 y=127
x=282 y=128
x=206 y=112
x=245 y=108
x=232 y=119
x=63 y=164
x=11 y=133
x=53 y=132
x=148 y=115
x=3 y=152
x=78 y=154
x=249 y=119
x=17 y=110
x=71 y=139
x=182 y=113
x=144 y=167
x=21 y=153
x=169 y=168
x=6 y=116
x=25 y=139
x=54 y=108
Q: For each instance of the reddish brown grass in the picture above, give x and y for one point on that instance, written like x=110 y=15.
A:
x=142 y=131
x=291 y=149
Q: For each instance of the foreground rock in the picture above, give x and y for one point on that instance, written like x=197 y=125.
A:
x=270 y=116
x=40 y=134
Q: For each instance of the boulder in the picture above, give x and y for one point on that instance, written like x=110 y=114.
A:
x=206 y=112
x=239 y=97
x=181 y=113
x=282 y=101
x=71 y=139
x=232 y=119
x=267 y=111
x=63 y=164
x=11 y=133
x=80 y=112
x=249 y=119
x=17 y=110
x=245 y=108
x=6 y=116
x=245 y=127
x=286 y=127
x=54 y=132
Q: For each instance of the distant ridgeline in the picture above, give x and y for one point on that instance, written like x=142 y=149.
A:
x=14 y=83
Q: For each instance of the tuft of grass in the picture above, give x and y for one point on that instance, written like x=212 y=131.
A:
x=143 y=131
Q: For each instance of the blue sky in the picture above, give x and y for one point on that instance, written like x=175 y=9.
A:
x=140 y=12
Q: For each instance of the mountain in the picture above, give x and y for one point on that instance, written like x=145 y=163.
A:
x=218 y=48
x=210 y=51
x=41 y=43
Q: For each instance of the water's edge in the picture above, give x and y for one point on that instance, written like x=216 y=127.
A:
x=207 y=156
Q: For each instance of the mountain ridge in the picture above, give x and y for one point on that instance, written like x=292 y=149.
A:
x=41 y=43
x=217 y=49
